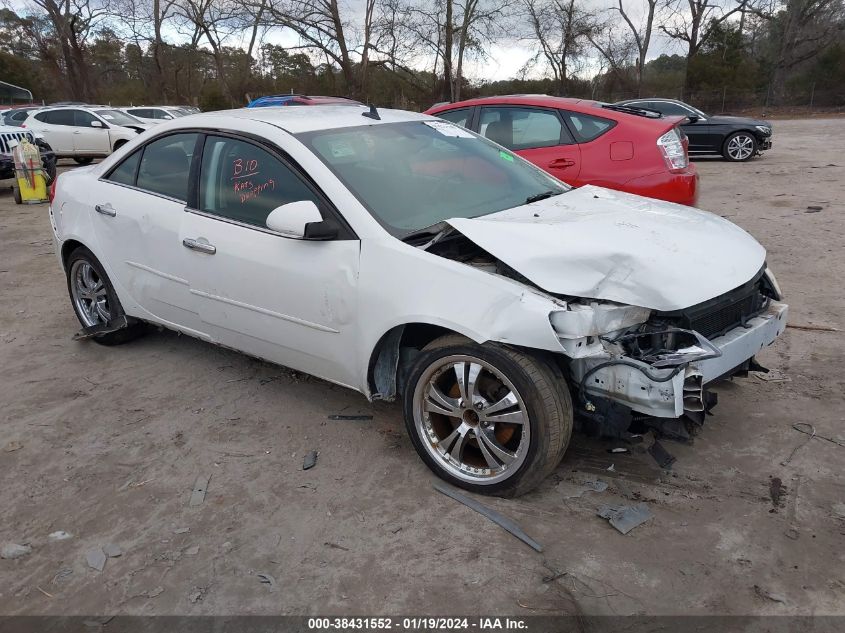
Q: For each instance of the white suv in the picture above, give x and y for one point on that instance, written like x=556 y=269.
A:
x=84 y=133
x=155 y=114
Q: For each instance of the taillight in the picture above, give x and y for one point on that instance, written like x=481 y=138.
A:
x=673 y=150
x=53 y=188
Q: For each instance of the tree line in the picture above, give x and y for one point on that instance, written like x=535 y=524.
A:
x=412 y=53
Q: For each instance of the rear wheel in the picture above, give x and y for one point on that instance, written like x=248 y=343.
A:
x=94 y=299
x=83 y=160
x=488 y=418
x=740 y=146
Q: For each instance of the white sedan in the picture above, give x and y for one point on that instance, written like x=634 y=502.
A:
x=402 y=256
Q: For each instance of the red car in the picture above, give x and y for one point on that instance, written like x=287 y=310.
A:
x=587 y=142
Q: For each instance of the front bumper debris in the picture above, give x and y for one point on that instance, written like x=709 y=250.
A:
x=673 y=392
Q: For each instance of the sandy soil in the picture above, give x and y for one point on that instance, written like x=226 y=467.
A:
x=113 y=439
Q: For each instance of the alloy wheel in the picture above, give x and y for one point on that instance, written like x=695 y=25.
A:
x=89 y=293
x=471 y=419
x=740 y=147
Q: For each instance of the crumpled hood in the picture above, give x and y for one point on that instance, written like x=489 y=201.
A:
x=601 y=244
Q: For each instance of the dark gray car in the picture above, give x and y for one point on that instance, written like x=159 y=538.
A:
x=735 y=138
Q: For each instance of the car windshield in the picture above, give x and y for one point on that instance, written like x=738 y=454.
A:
x=116 y=117
x=415 y=174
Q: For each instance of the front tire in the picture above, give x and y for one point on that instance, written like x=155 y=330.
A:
x=488 y=418
x=740 y=147
x=93 y=297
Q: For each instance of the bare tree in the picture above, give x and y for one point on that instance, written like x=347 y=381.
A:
x=73 y=22
x=805 y=28
x=694 y=22
x=616 y=52
x=558 y=30
x=640 y=32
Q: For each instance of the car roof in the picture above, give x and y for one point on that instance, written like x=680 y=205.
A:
x=521 y=99
x=326 y=117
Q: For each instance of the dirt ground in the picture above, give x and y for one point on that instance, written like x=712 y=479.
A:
x=112 y=441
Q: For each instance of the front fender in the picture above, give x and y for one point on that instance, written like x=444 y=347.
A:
x=401 y=284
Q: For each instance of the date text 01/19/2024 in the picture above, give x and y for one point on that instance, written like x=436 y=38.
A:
x=418 y=624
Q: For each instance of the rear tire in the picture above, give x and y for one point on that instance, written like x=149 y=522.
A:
x=93 y=297
x=488 y=418
x=83 y=160
x=16 y=192
x=740 y=147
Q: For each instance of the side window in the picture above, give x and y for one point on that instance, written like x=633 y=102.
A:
x=83 y=119
x=460 y=116
x=242 y=182
x=42 y=116
x=586 y=127
x=59 y=117
x=671 y=109
x=126 y=171
x=523 y=128
x=166 y=164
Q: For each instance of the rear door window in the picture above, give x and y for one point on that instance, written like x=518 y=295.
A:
x=242 y=182
x=83 y=119
x=459 y=116
x=166 y=164
x=523 y=128
x=586 y=127
x=126 y=172
x=57 y=117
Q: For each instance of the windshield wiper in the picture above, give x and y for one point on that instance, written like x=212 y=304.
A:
x=542 y=196
x=433 y=229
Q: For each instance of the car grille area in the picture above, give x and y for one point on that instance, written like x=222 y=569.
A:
x=6 y=137
x=717 y=316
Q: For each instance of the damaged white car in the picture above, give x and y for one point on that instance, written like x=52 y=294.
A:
x=405 y=257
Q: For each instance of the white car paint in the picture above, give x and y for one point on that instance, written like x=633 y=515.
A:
x=83 y=141
x=605 y=244
x=324 y=307
x=154 y=115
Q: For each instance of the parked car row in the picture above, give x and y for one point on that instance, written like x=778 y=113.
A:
x=427 y=260
x=734 y=138
x=586 y=142
x=85 y=132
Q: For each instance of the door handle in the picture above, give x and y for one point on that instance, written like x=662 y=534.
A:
x=105 y=209
x=202 y=247
x=562 y=162
x=77 y=132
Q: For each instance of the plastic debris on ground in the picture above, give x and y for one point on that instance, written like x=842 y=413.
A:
x=112 y=551
x=59 y=535
x=14 y=550
x=96 y=558
x=499 y=519
x=310 y=460
x=625 y=518
x=198 y=493
x=663 y=457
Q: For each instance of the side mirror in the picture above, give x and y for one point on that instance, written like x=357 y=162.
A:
x=96 y=123
x=692 y=118
x=292 y=219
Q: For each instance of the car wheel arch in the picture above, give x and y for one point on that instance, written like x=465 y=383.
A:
x=388 y=360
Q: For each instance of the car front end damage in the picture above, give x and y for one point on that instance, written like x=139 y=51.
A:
x=630 y=364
